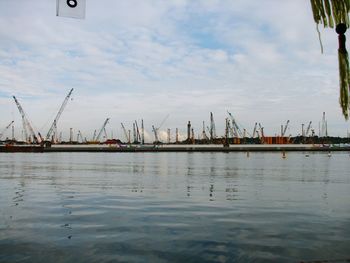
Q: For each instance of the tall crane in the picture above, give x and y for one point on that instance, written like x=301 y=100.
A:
x=235 y=127
x=134 y=132
x=262 y=133
x=204 y=135
x=254 y=130
x=212 y=130
x=125 y=133
x=103 y=129
x=94 y=136
x=138 y=135
x=308 y=128
x=26 y=124
x=155 y=130
x=142 y=132
x=285 y=129
x=53 y=128
x=230 y=130
x=155 y=134
x=5 y=129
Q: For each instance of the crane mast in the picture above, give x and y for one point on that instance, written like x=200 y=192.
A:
x=53 y=127
x=125 y=133
x=235 y=126
x=138 y=135
x=4 y=130
x=254 y=130
x=26 y=123
x=155 y=134
x=231 y=129
x=142 y=133
x=102 y=129
x=262 y=133
x=204 y=135
x=308 y=128
x=155 y=130
x=285 y=128
x=212 y=130
x=94 y=136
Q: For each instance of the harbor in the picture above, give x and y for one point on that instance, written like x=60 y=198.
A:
x=175 y=148
x=174 y=131
x=234 y=137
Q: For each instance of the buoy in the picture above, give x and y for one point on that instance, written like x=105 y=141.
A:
x=283 y=154
x=329 y=154
x=306 y=155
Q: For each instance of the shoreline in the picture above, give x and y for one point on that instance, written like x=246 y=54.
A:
x=175 y=148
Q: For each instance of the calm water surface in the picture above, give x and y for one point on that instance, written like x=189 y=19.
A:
x=174 y=207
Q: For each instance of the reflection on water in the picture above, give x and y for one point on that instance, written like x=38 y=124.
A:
x=184 y=207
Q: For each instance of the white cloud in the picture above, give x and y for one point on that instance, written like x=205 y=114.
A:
x=130 y=60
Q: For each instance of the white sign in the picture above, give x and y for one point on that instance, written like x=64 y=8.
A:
x=71 y=8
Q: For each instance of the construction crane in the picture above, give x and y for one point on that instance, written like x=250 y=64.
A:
x=254 y=130
x=212 y=130
x=138 y=135
x=204 y=135
x=53 y=128
x=230 y=129
x=237 y=131
x=142 y=132
x=155 y=130
x=26 y=124
x=262 y=138
x=155 y=134
x=227 y=130
x=5 y=129
x=94 y=136
x=285 y=129
x=103 y=129
x=125 y=133
x=308 y=128
x=134 y=132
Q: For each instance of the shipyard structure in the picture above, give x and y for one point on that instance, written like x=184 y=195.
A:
x=234 y=138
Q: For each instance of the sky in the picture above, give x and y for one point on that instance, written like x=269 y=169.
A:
x=130 y=60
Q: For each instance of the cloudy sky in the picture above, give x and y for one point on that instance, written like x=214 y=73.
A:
x=133 y=59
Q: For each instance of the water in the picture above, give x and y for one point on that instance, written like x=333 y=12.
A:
x=174 y=207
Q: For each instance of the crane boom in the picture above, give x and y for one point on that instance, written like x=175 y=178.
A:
x=142 y=132
x=102 y=129
x=138 y=136
x=285 y=128
x=4 y=130
x=161 y=124
x=235 y=126
x=308 y=128
x=262 y=136
x=254 y=130
x=54 y=124
x=204 y=135
x=212 y=130
x=155 y=130
x=125 y=133
x=155 y=134
x=26 y=123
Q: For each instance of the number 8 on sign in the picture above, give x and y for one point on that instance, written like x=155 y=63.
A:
x=71 y=8
x=72 y=3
